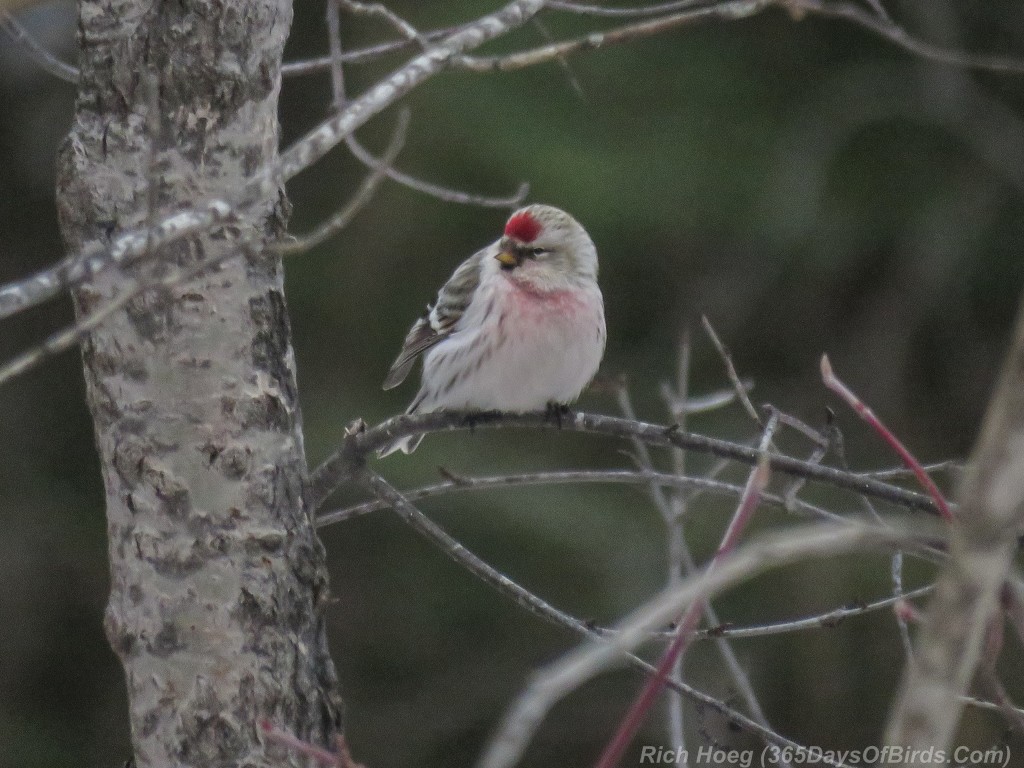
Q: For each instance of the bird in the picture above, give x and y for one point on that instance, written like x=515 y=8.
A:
x=519 y=326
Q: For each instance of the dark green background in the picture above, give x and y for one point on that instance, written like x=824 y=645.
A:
x=806 y=185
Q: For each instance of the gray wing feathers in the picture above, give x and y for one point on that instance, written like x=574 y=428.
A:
x=440 y=320
x=421 y=337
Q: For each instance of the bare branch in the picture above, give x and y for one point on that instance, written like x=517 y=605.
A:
x=730 y=370
x=687 y=624
x=436 y=535
x=334 y=42
x=449 y=50
x=46 y=60
x=361 y=55
x=712 y=401
x=603 y=10
x=950 y=465
x=209 y=214
x=973 y=701
x=827 y=619
x=446 y=194
x=788 y=420
x=882 y=24
x=359 y=200
x=130 y=288
x=318 y=142
x=878 y=22
x=982 y=545
x=735 y=9
x=404 y=28
x=582 y=477
x=337 y=468
x=361 y=153
x=678 y=555
x=393 y=498
x=549 y=685
x=836 y=443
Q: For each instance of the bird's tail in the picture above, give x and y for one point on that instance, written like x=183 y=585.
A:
x=404 y=444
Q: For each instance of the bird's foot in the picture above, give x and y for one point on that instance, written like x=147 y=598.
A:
x=556 y=412
x=473 y=418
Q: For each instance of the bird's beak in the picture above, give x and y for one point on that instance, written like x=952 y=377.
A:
x=507 y=259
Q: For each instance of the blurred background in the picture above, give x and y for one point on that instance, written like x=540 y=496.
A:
x=806 y=185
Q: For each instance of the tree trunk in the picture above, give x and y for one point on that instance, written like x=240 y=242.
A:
x=218 y=579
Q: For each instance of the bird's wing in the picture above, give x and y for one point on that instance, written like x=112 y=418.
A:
x=440 y=318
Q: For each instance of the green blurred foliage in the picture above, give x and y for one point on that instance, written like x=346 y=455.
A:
x=806 y=185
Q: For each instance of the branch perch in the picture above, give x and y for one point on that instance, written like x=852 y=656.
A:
x=339 y=467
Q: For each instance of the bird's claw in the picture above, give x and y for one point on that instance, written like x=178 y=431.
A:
x=473 y=418
x=556 y=412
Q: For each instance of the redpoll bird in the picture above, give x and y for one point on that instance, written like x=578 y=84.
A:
x=518 y=326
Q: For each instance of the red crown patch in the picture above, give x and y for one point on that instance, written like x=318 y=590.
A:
x=523 y=227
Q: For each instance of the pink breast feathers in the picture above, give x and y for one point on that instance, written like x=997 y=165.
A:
x=528 y=303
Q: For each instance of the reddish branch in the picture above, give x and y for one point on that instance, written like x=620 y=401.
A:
x=833 y=383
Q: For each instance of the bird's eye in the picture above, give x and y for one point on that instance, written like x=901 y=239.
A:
x=535 y=252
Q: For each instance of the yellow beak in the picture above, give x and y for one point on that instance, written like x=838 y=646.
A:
x=507 y=258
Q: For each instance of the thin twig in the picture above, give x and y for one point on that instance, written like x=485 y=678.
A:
x=828 y=619
x=879 y=9
x=206 y=215
x=974 y=701
x=462 y=484
x=791 y=421
x=549 y=685
x=631 y=722
x=380 y=165
x=730 y=370
x=447 y=194
x=949 y=465
x=563 y=64
x=361 y=55
x=712 y=401
x=603 y=10
x=817 y=454
x=477 y=567
x=680 y=557
x=672 y=517
x=404 y=28
x=46 y=60
x=359 y=199
x=132 y=287
x=129 y=288
x=879 y=23
x=836 y=445
x=449 y=50
x=733 y=10
x=334 y=47
x=455 y=550
x=883 y=26
x=678 y=552
x=581 y=476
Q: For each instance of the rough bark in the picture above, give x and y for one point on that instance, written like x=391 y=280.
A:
x=218 y=579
